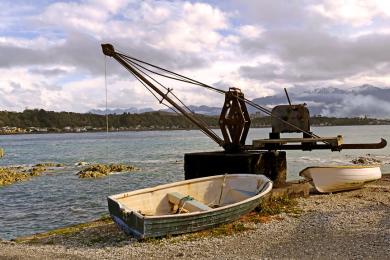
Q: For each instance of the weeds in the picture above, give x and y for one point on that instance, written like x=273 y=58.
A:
x=277 y=205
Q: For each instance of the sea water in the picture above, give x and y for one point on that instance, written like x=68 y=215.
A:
x=59 y=198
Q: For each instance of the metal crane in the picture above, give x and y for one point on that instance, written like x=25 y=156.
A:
x=234 y=119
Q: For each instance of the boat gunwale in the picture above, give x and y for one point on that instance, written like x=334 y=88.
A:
x=265 y=189
x=347 y=184
x=352 y=167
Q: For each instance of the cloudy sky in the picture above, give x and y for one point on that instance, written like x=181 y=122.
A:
x=50 y=54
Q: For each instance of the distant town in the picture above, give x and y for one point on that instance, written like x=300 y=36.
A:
x=68 y=129
x=41 y=121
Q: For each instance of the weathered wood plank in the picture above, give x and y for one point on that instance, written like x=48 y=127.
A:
x=189 y=204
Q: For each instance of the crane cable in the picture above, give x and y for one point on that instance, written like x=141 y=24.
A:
x=181 y=77
x=169 y=107
x=169 y=91
x=188 y=80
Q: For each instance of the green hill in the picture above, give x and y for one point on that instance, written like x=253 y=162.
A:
x=39 y=120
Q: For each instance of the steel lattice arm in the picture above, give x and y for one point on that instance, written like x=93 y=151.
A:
x=109 y=50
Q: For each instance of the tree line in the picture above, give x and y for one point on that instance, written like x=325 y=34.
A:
x=51 y=119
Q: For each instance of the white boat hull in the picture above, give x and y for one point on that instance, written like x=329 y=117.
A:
x=341 y=178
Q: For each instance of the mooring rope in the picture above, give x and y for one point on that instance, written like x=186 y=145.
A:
x=183 y=201
x=106 y=89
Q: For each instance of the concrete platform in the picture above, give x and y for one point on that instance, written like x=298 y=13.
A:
x=270 y=164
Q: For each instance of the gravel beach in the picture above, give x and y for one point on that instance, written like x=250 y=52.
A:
x=344 y=225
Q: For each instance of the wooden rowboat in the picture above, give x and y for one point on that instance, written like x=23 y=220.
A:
x=187 y=206
x=341 y=178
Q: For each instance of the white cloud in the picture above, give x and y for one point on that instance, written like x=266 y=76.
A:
x=38 y=43
x=354 y=12
x=111 y=6
x=52 y=51
x=358 y=105
x=187 y=27
x=75 y=16
x=19 y=89
x=250 y=31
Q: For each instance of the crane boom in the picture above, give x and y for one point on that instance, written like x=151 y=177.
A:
x=109 y=50
x=235 y=121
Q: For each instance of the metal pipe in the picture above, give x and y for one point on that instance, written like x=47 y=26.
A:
x=288 y=98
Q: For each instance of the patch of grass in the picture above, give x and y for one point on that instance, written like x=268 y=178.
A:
x=66 y=231
x=153 y=240
x=105 y=218
x=277 y=205
x=237 y=226
x=257 y=218
x=229 y=229
x=267 y=211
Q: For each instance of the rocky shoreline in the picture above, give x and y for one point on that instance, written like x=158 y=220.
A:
x=13 y=174
x=344 y=225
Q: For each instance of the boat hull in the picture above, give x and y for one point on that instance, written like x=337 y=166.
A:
x=141 y=226
x=341 y=178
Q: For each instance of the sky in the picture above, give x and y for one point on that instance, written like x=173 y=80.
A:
x=51 y=58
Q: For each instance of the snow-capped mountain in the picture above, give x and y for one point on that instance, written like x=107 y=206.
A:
x=365 y=100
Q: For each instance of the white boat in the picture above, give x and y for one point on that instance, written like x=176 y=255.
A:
x=187 y=206
x=341 y=178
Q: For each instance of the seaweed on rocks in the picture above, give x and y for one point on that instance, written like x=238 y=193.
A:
x=366 y=160
x=101 y=170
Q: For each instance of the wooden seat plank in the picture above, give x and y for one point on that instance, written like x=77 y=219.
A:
x=190 y=205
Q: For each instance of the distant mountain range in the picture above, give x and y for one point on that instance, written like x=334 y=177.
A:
x=365 y=100
x=119 y=111
x=204 y=110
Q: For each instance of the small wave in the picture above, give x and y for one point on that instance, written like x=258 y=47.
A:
x=80 y=164
x=370 y=158
x=321 y=161
x=116 y=173
x=18 y=165
x=158 y=161
x=77 y=210
x=383 y=158
x=150 y=161
x=318 y=159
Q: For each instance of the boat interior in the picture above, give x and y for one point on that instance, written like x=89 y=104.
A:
x=192 y=196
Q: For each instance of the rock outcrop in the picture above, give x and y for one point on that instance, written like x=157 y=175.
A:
x=366 y=160
x=101 y=170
